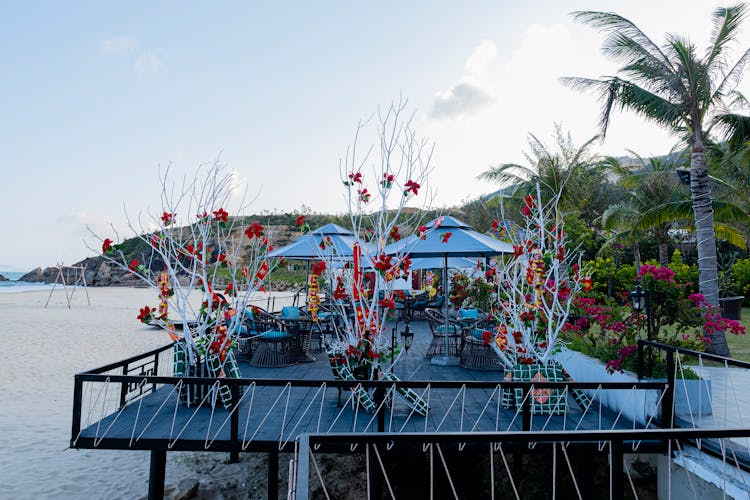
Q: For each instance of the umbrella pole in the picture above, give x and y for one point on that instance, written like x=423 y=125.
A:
x=446 y=360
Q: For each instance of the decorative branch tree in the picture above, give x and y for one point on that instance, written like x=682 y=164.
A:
x=195 y=245
x=380 y=183
x=536 y=290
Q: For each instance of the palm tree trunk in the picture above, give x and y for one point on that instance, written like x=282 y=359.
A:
x=703 y=211
x=636 y=256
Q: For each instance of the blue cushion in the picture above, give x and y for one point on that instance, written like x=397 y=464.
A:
x=324 y=315
x=273 y=334
x=290 y=312
x=249 y=314
x=441 y=329
x=469 y=313
x=478 y=333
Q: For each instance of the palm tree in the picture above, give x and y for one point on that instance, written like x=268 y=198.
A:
x=673 y=86
x=570 y=170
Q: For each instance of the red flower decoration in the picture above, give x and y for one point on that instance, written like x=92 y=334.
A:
x=446 y=236
x=254 y=230
x=387 y=303
x=387 y=181
x=106 y=246
x=325 y=242
x=354 y=177
x=167 y=218
x=133 y=265
x=422 y=232
x=394 y=233
x=262 y=271
x=318 y=268
x=300 y=220
x=364 y=196
x=340 y=292
x=145 y=315
x=221 y=215
x=411 y=186
x=383 y=263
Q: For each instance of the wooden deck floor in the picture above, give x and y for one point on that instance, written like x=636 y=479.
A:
x=274 y=416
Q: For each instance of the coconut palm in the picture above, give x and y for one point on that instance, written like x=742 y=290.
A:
x=678 y=88
x=651 y=185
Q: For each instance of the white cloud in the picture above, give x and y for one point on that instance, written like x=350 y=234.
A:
x=481 y=57
x=466 y=97
x=148 y=63
x=119 y=44
x=472 y=92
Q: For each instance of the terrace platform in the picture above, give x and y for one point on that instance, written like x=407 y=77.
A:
x=122 y=408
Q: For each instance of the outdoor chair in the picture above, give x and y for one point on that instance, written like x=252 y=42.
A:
x=299 y=324
x=436 y=321
x=276 y=347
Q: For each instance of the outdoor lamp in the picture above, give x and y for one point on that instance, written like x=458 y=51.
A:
x=684 y=176
x=638 y=298
x=408 y=336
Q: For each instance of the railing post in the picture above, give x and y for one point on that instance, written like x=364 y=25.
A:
x=234 y=428
x=156 y=370
x=124 y=386
x=640 y=360
x=526 y=410
x=667 y=402
x=379 y=398
x=77 y=404
x=616 y=483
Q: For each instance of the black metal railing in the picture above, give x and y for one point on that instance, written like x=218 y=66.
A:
x=136 y=379
x=620 y=442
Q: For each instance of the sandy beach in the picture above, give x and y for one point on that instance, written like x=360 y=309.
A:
x=45 y=347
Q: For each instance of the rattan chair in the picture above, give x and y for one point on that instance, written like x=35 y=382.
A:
x=436 y=321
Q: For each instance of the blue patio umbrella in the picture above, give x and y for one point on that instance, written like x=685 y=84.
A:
x=336 y=242
x=328 y=241
x=463 y=241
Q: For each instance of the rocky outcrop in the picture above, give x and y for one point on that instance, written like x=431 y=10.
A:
x=3 y=278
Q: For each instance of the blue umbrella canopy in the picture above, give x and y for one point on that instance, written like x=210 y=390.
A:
x=336 y=241
x=462 y=242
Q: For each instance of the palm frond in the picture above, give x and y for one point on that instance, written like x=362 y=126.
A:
x=727 y=21
x=735 y=128
x=665 y=213
x=731 y=235
x=733 y=77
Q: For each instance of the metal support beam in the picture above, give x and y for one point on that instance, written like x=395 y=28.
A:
x=302 y=481
x=156 y=474
x=616 y=458
x=273 y=474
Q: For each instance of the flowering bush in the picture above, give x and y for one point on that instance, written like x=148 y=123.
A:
x=609 y=331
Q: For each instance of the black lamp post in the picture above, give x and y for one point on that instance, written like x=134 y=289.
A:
x=408 y=337
x=641 y=302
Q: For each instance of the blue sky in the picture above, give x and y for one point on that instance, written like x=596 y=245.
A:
x=96 y=96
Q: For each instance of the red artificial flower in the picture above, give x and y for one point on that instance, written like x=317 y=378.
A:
x=387 y=303
x=254 y=230
x=106 y=246
x=560 y=253
x=133 y=265
x=446 y=236
x=518 y=250
x=325 y=242
x=383 y=262
x=387 y=181
x=494 y=225
x=340 y=292
x=300 y=220
x=222 y=258
x=406 y=263
x=394 y=233
x=422 y=232
x=230 y=290
x=411 y=186
x=156 y=240
x=167 y=218
x=221 y=215
x=318 y=268
x=364 y=196
x=202 y=217
x=355 y=177
x=145 y=314
x=262 y=271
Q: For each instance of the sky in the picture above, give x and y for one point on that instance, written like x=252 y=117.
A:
x=97 y=97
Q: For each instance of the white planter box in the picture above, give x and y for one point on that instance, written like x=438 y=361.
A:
x=640 y=405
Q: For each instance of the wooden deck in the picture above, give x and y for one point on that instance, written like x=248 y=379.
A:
x=272 y=417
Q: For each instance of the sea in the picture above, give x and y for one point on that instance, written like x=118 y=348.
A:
x=13 y=285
